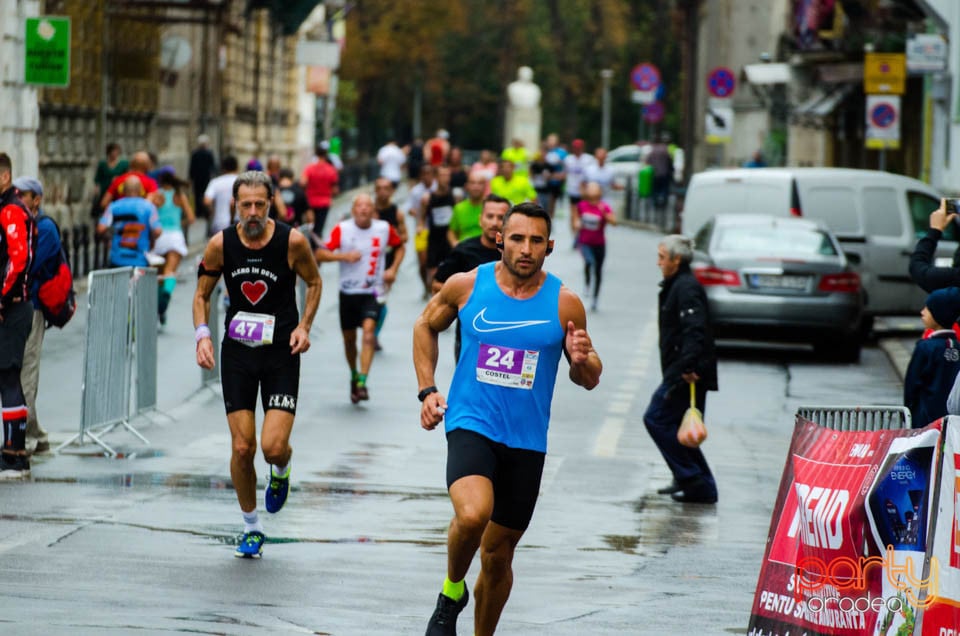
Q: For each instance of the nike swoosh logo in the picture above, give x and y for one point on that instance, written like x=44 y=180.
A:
x=481 y=324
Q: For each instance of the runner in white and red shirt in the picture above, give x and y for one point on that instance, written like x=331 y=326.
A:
x=360 y=244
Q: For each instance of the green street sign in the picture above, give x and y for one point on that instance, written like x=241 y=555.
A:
x=47 y=51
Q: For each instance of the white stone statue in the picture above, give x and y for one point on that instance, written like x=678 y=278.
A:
x=523 y=111
x=523 y=93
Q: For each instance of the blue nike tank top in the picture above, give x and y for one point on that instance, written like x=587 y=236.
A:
x=503 y=384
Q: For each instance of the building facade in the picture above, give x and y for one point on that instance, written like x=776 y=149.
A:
x=800 y=96
x=151 y=75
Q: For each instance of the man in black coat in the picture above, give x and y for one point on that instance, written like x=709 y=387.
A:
x=923 y=271
x=686 y=355
x=203 y=167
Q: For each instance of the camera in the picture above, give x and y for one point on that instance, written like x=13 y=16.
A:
x=952 y=206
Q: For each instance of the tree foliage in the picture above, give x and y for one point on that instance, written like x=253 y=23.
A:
x=463 y=53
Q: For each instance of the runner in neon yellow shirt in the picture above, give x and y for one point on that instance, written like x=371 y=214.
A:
x=511 y=186
x=465 y=222
x=518 y=154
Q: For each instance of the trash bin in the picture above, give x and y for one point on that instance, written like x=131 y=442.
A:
x=645 y=182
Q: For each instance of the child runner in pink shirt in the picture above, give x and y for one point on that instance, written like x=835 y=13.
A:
x=590 y=220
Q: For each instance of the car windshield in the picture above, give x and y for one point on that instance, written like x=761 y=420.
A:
x=774 y=240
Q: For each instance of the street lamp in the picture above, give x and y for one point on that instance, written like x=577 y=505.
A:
x=607 y=75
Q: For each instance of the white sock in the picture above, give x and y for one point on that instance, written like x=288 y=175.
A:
x=251 y=521
x=280 y=471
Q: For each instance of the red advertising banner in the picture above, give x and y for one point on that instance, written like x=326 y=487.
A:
x=843 y=498
x=942 y=616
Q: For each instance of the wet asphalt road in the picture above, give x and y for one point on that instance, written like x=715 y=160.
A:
x=143 y=544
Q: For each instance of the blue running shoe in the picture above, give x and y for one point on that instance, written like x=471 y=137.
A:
x=277 y=489
x=251 y=545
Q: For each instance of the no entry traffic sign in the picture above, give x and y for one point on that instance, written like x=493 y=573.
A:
x=645 y=77
x=883 y=122
x=653 y=113
x=883 y=115
x=721 y=82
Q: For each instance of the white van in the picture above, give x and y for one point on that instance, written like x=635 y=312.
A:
x=877 y=216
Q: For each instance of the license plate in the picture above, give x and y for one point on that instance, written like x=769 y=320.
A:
x=774 y=281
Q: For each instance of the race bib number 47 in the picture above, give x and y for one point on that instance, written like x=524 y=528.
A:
x=503 y=366
x=251 y=329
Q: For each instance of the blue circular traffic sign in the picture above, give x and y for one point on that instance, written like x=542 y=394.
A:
x=645 y=77
x=883 y=115
x=721 y=82
x=653 y=112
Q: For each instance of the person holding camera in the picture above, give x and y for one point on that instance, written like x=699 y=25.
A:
x=923 y=271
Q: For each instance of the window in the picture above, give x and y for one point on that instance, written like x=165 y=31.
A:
x=836 y=206
x=881 y=209
x=626 y=157
x=921 y=205
x=774 y=240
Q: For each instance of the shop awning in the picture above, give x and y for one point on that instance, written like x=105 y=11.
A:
x=289 y=13
x=768 y=73
x=822 y=103
x=840 y=73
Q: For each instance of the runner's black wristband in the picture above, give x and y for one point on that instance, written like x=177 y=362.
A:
x=422 y=395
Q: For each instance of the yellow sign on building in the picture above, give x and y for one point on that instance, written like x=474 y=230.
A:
x=884 y=73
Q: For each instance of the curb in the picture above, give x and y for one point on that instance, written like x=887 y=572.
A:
x=898 y=353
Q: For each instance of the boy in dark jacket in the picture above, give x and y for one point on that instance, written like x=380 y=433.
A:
x=935 y=361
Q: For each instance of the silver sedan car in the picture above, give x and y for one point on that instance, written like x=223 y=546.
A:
x=780 y=278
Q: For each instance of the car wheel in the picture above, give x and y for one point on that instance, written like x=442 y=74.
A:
x=844 y=347
x=866 y=327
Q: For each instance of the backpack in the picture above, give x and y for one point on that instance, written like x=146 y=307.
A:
x=52 y=280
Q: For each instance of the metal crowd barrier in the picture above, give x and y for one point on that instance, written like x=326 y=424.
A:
x=211 y=376
x=641 y=209
x=858 y=418
x=144 y=297
x=120 y=353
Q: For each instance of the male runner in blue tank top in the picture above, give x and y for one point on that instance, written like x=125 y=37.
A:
x=260 y=260
x=516 y=320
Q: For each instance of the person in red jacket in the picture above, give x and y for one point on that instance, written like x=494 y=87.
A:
x=17 y=242
x=320 y=182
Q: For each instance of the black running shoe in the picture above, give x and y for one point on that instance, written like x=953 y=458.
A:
x=14 y=467
x=354 y=392
x=444 y=619
x=670 y=488
x=362 y=393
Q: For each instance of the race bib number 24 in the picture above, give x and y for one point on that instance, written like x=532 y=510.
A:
x=504 y=366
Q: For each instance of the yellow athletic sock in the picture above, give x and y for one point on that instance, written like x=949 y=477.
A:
x=453 y=590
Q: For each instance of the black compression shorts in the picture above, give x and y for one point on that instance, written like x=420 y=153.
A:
x=355 y=308
x=438 y=247
x=514 y=472
x=14 y=331
x=273 y=368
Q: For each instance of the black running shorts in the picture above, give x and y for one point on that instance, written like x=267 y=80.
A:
x=273 y=368
x=438 y=247
x=14 y=331
x=514 y=472
x=355 y=308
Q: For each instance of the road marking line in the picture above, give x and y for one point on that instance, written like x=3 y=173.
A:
x=620 y=407
x=609 y=437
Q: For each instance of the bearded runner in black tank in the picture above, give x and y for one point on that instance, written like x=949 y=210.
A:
x=263 y=339
x=260 y=282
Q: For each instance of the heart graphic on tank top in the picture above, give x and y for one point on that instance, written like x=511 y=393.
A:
x=253 y=291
